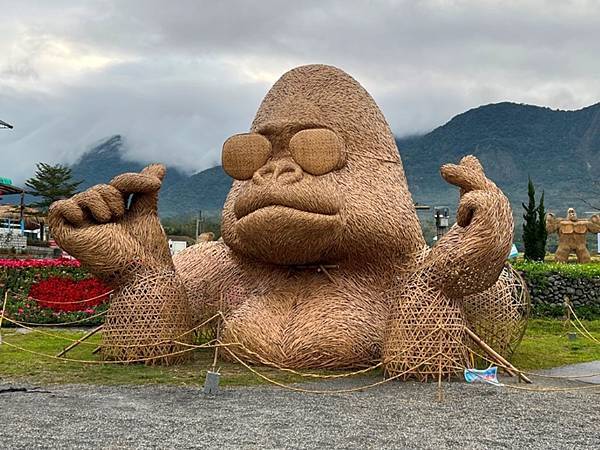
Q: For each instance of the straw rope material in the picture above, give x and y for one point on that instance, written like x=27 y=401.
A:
x=26 y=297
x=322 y=261
x=572 y=234
x=499 y=315
x=404 y=374
x=152 y=309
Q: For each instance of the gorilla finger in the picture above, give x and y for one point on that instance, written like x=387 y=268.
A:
x=95 y=204
x=136 y=183
x=473 y=163
x=113 y=198
x=156 y=170
x=464 y=177
x=64 y=212
x=470 y=203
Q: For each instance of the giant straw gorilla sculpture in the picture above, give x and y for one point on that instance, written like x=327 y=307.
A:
x=318 y=182
x=572 y=234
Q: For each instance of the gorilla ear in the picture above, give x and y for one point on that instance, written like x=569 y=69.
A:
x=244 y=154
x=318 y=151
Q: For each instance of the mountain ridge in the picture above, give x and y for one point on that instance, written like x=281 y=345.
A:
x=559 y=149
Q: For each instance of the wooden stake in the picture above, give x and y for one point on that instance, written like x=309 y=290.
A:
x=79 y=341
x=512 y=370
x=3 y=312
x=440 y=389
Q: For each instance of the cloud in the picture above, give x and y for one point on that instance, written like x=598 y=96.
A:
x=176 y=80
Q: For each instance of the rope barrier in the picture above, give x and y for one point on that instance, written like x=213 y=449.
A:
x=314 y=391
x=164 y=341
x=26 y=297
x=585 y=332
x=85 y=319
x=535 y=374
x=226 y=346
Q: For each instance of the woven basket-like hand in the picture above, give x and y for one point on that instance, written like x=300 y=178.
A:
x=149 y=316
x=471 y=256
x=111 y=239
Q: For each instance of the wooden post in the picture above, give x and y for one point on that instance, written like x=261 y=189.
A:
x=3 y=312
x=512 y=370
x=79 y=341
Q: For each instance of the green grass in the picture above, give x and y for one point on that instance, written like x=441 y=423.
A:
x=39 y=369
x=545 y=345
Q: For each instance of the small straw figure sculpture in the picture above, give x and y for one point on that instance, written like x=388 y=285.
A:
x=322 y=262
x=572 y=234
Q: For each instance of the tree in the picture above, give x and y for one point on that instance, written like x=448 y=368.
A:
x=534 y=227
x=51 y=183
x=542 y=232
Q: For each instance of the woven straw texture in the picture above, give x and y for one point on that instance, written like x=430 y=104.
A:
x=572 y=234
x=322 y=262
x=499 y=315
x=317 y=151
x=145 y=317
x=244 y=154
x=425 y=336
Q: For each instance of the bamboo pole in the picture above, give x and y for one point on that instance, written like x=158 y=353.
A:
x=512 y=370
x=3 y=312
x=79 y=341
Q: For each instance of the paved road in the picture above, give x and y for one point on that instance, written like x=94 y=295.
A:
x=575 y=370
x=395 y=415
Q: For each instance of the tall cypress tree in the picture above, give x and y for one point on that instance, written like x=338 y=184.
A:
x=530 y=229
x=542 y=233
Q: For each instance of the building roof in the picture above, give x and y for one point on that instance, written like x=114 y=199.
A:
x=7 y=189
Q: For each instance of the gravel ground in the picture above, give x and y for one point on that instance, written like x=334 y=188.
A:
x=395 y=415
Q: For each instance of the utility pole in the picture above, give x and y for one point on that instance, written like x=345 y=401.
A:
x=199 y=222
x=442 y=216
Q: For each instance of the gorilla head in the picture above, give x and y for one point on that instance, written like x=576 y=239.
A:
x=319 y=177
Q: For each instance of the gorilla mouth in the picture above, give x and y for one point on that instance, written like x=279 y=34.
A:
x=323 y=206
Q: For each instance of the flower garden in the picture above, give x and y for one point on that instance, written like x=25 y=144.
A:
x=51 y=291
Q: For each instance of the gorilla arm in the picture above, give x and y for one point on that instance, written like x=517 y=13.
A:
x=552 y=223
x=594 y=224
x=471 y=256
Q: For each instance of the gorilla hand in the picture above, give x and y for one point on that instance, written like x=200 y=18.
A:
x=96 y=227
x=470 y=257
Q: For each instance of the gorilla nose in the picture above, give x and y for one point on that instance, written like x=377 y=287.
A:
x=283 y=171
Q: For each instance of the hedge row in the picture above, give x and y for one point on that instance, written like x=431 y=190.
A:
x=550 y=284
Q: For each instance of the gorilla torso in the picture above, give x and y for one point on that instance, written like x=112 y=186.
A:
x=296 y=316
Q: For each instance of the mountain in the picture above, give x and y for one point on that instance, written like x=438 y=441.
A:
x=180 y=193
x=106 y=160
x=560 y=150
x=204 y=191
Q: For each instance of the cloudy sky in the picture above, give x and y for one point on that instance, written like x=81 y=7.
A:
x=176 y=78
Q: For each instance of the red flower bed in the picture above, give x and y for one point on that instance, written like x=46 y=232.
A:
x=55 y=262
x=65 y=294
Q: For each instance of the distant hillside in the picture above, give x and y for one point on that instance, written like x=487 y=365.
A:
x=105 y=160
x=560 y=150
x=180 y=193
x=204 y=191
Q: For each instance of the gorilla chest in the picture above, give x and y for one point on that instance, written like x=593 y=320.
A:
x=312 y=319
